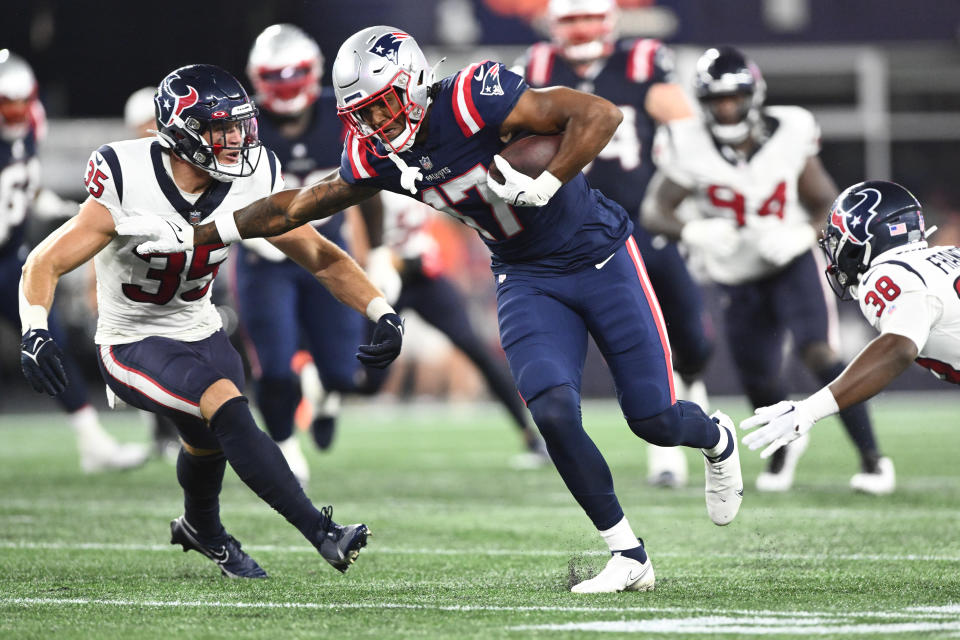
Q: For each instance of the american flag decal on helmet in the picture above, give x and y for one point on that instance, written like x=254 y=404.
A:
x=388 y=45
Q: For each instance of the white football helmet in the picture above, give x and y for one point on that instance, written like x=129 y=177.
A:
x=285 y=67
x=18 y=96
x=382 y=66
x=138 y=110
x=583 y=30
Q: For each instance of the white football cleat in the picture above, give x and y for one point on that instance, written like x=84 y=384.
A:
x=724 y=480
x=666 y=467
x=109 y=455
x=769 y=482
x=293 y=454
x=620 y=574
x=881 y=483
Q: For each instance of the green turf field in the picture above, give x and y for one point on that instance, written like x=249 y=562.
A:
x=466 y=547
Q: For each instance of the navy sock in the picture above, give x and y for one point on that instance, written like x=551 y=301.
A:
x=201 y=478
x=638 y=553
x=581 y=465
x=259 y=463
x=278 y=399
x=856 y=421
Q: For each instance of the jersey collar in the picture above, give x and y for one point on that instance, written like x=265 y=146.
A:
x=208 y=201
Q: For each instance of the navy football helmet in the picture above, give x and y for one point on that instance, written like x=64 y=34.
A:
x=205 y=116
x=726 y=72
x=864 y=221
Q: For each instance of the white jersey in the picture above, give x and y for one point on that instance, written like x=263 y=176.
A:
x=758 y=194
x=914 y=291
x=161 y=295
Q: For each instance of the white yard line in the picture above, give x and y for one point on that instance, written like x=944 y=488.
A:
x=473 y=551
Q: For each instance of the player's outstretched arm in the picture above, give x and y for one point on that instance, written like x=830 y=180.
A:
x=587 y=121
x=75 y=242
x=286 y=210
x=875 y=367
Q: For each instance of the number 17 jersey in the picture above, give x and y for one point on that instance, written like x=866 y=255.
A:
x=165 y=295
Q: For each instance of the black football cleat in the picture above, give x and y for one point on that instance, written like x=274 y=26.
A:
x=339 y=545
x=224 y=550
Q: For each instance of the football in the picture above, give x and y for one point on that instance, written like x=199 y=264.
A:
x=529 y=155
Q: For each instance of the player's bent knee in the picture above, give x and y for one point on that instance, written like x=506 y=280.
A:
x=197 y=451
x=556 y=410
x=217 y=395
x=662 y=429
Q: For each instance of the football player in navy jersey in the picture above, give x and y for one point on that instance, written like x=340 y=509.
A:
x=636 y=74
x=22 y=125
x=563 y=258
x=280 y=304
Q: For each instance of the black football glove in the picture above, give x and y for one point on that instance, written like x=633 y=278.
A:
x=42 y=362
x=385 y=344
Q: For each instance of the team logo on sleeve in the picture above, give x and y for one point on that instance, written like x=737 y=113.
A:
x=173 y=96
x=491 y=82
x=388 y=45
x=854 y=222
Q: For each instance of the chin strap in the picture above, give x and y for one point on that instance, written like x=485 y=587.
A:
x=408 y=175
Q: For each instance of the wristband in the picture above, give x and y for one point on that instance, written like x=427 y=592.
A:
x=820 y=405
x=32 y=316
x=378 y=307
x=548 y=183
x=227 y=228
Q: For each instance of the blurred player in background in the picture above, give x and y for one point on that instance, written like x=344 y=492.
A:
x=437 y=300
x=281 y=305
x=160 y=339
x=876 y=247
x=637 y=76
x=757 y=180
x=22 y=126
x=565 y=264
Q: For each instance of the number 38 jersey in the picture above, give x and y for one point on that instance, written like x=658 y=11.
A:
x=914 y=291
x=161 y=295
x=758 y=194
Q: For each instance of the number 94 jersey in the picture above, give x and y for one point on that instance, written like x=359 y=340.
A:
x=759 y=194
x=161 y=295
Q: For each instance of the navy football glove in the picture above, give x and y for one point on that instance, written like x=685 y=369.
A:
x=42 y=362
x=385 y=344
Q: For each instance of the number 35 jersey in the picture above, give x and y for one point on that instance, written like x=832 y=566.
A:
x=914 y=291
x=161 y=295
x=758 y=194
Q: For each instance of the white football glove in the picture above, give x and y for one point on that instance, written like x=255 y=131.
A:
x=717 y=236
x=383 y=274
x=789 y=242
x=165 y=235
x=409 y=176
x=521 y=190
x=780 y=424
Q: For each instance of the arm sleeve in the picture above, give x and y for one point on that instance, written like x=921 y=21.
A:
x=908 y=314
x=103 y=180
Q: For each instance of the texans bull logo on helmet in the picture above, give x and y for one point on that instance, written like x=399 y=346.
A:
x=173 y=97
x=388 y=45
x=854 y=223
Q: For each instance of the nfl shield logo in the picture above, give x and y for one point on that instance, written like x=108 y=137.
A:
x=426 y=163
x=195 y=217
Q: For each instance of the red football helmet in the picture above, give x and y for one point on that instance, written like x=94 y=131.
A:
x=285 y=67
x=583 y=30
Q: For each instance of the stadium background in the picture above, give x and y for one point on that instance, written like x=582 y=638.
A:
x=882 y=77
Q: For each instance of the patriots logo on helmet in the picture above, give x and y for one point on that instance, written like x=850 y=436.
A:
x=173 y=97
x=854 y=223
x=388 y=45
x=491 y=82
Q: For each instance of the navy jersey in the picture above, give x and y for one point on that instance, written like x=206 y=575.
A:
x=19 y=181
x=577 y=227
x=624 y=167
x=313 y=155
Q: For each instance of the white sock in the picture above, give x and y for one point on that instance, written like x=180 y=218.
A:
x=620 y=536
x=86 y=423
x=721 y=446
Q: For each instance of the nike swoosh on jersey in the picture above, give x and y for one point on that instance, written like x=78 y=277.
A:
x=479 y=75
x=600 y=266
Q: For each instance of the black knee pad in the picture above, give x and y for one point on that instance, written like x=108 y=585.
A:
x=661 y=429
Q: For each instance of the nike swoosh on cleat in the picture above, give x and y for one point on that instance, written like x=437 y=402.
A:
x=220 y=557
x=633 y=578
x=740 y=492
